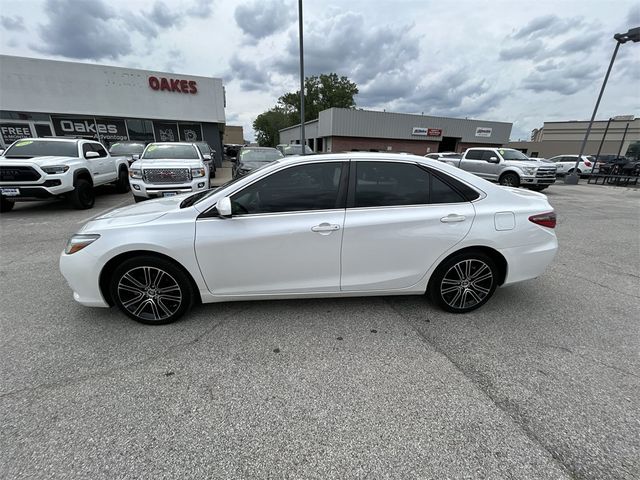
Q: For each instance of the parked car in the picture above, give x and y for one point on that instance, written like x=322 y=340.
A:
x=251 y=158
x=567 y=163
x=168 y=169
x=617 y=165
x=288 y=149
x=507 y=166
x=69 y=168
x=336 y=225
x=131 y=150
x=444 y=156
x=231 y=150
x=209 y=155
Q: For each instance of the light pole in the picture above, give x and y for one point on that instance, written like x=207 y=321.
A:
x=632 y=35
x=302 y=141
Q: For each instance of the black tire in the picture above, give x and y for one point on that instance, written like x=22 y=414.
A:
x=138 y=199
x=82 y=197
x=6 y=205
x=510 y=179
x=122 y=184
x=134 y=290
x=537 y=188
x=453 y=287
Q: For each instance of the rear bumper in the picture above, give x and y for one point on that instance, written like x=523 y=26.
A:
x=529 y=261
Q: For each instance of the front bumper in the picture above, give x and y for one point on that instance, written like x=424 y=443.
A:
x=48 y=189
x=531 y=180
x=81 y=271
x=141 y=189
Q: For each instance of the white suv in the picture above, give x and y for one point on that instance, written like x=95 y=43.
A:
x=167 y=169
x=567 y=163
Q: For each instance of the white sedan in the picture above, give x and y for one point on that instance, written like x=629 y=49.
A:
x=334 y=225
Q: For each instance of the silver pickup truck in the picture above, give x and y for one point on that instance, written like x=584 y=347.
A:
x=507 y=167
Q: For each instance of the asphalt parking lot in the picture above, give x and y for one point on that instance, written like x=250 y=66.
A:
x=542 y=382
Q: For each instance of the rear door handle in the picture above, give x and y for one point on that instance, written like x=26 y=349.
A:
x=325 y=228
x=453 y=218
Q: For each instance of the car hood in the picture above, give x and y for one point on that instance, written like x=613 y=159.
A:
x=40 y=161
x=530 y=163
x=140 y=212
x=167 y=163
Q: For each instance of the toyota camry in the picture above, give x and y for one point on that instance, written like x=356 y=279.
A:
x=334 y=225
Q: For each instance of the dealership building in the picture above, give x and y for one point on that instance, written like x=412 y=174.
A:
x=42 y=98
x=345 y=130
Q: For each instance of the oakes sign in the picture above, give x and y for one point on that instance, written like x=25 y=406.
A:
x=173 y=85
x=105 y=129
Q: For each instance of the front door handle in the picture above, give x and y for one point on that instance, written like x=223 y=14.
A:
x=325 y=227
x=453 y=218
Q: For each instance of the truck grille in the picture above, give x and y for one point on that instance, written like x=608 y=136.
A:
x=546 y=172
x=167 y=175
x=18 y=174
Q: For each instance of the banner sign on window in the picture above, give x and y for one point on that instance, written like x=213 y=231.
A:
x=190 y=132
x=14 y=131
x=103 y=128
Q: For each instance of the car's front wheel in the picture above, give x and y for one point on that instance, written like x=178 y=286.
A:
x=151 y=290
x=82 y=197
x=464 y=282
x=510 y=179
x=6 y=205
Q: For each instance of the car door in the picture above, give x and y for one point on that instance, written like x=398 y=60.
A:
x=107 y=164
x=93 y=163
x=284 y=235
x=475 y=163
x=491 y=168
x=400 y=219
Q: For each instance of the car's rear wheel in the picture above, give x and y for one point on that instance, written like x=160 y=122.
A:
x=510 y=179
x=6 y=205
x=82 y=197
x=464 y=282
x=151 y=290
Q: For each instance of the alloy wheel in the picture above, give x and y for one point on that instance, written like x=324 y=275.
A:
x=149 y=293
x=466 y=284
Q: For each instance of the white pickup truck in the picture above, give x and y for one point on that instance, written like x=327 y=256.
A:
x=507 y=167
x=167 y=169
x=41 y=168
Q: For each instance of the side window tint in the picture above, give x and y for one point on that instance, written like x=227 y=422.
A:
x=487 y=154
x=314 y=186
x=388 y=184
x=98 y=148
x=474 y=155
x=443 y=193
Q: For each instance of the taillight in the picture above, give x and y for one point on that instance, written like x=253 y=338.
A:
x=587 y=163
x=545 y=219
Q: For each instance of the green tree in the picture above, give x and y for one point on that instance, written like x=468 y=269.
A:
x=268 y=124
x=633 y=151
x=321 y=92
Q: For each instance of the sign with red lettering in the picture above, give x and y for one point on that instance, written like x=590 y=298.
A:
x=173 y=85
x=434 y=132
x=427 y=132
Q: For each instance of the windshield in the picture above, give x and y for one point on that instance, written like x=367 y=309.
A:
x=41 y=148
x=296 y=149
x=126 y=149
x=203 y=147
x=156 y=151
x=260 y=155
x=509 y=154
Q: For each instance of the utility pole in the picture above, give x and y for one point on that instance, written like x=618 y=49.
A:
x=302 y=141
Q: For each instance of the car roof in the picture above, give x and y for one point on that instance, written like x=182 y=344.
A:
x=174 y=143
x=258 y=148
x=57 y=139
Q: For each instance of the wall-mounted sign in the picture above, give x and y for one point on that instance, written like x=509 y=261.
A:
x=14 y=131
x=100 y=128
x=427 y=132
x=483 y=131
x=173 y=85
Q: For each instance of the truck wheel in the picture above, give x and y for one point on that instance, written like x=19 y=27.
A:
x=510 y=179
x=82 y=196
x=537 y=188
x=6 y=205
x=122 y=184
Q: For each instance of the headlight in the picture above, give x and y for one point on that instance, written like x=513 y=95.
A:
x=529 y=170
x=198 y=172
x=135 y=173
x=80 y=241
x=55 y=169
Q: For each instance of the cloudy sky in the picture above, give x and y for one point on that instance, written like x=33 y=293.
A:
x=518 y=61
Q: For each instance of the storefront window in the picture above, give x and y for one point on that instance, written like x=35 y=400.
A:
x=166 y=132
x=40 y=117
x=140 y=130
x=190 y=132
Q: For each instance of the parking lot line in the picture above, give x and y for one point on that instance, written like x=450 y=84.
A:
x=85 y=220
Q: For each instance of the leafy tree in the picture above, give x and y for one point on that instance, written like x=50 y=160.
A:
x=633 y=151
x=268 y=124
x=321 y=92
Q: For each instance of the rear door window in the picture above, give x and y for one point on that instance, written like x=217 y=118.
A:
x=389 y=184
x=474 y=155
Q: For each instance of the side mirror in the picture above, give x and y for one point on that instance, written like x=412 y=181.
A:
x=206 y=156
x=494 y=160
x=224 y=207
x=135 y=156
x=91 y=155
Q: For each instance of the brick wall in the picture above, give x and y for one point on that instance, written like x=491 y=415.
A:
x=417 y=147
